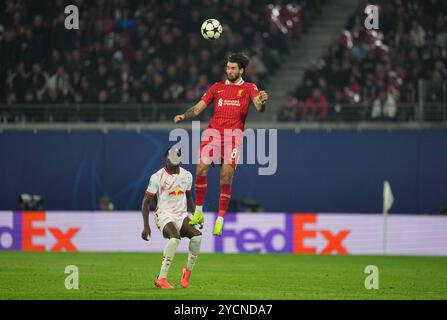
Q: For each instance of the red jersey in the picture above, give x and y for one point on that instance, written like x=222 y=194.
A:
x=230 y=103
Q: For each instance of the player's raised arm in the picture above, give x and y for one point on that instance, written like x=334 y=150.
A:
x=145 y=209
x=198 y=107
x=260 y=101
x=192 y=112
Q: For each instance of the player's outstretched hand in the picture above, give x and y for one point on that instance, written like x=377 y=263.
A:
x=263 y=96
x=178 y=118
x=146 y=234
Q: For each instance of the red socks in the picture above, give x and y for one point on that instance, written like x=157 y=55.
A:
x=224 y=199
x=200 y=190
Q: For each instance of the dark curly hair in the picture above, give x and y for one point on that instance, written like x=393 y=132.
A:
x=240 y=58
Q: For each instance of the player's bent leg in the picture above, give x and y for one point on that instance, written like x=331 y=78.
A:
x=195 y=241
x=226 y=179
x=187 y=230
x=170 y=232
x=200 y=188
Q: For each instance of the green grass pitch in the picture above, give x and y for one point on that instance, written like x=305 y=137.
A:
x=221 y=276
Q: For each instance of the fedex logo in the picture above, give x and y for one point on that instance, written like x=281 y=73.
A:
x=298 y=228
x=23 y=232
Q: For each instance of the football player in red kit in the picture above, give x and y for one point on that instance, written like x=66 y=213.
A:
x=223 y=136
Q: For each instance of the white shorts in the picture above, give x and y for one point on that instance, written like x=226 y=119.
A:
x=162 y=219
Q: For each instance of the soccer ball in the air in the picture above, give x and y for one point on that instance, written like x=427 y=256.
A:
x=211 y=29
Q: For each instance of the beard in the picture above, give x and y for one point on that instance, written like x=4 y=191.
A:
x=232 y=78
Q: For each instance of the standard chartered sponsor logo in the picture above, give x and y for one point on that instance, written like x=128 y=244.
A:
x=228 y=102
x=235 y=103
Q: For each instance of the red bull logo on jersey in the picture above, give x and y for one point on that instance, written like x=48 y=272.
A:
x=298 y=230
x=177 y=192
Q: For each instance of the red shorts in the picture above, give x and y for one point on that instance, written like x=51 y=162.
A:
x=218 y=148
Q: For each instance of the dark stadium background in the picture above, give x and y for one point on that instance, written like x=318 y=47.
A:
x=134 y=64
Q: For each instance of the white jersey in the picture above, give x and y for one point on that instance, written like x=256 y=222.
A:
x=171 y=191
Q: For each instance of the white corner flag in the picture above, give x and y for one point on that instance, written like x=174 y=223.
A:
x=388 y=200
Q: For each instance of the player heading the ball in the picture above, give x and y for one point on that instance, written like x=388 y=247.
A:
x=231 y=100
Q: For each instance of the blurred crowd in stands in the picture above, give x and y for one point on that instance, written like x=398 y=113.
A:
x=138 y=51
x=377 y=69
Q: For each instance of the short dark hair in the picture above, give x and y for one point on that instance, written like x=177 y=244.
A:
x=240 y=58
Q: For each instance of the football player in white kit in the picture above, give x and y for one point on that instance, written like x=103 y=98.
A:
x=172 y=187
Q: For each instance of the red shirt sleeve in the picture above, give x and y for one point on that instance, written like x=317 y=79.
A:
x=254 y=92
x=209 y=94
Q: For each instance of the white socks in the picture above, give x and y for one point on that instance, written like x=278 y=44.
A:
x=220 y=219
x=168 y=256
x=194 y=249
x=169 y=252
x=199 y=208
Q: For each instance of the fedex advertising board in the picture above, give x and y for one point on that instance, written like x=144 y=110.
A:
x=309 y=233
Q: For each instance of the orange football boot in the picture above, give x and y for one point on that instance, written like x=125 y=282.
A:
x=185 y=277
x=163 y=283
